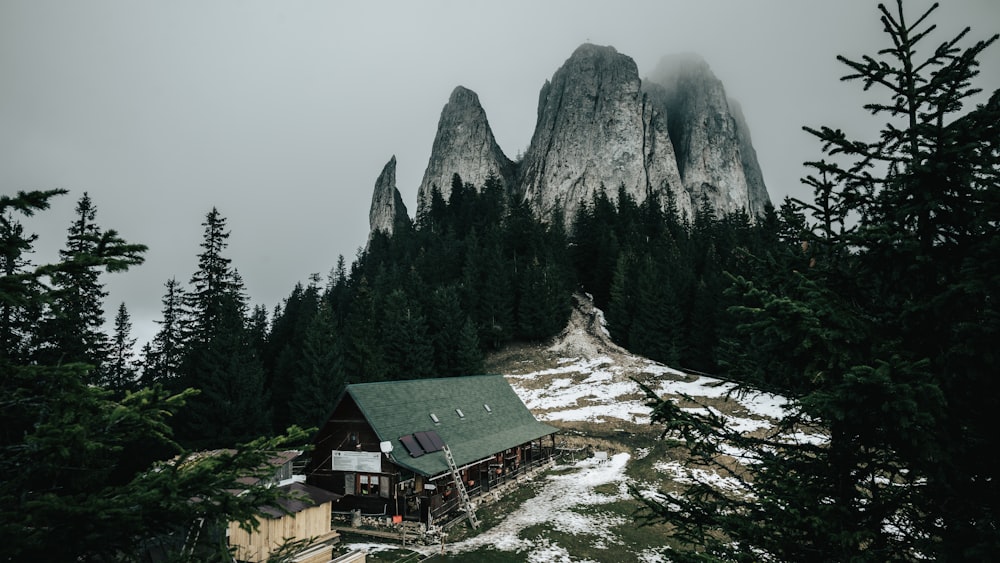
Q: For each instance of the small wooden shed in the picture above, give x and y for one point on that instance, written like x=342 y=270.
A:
x=382 y=446
x=306 y=515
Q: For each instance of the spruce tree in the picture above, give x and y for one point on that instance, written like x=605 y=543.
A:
x=321 y=376
x=408 y=351
x=213 y=283
x=622 y=305
x=164 y=358
x=452 y=334
x=86 y=476
x=495 y=308
x=284 y=348
x=72 y=328
x=879 y=327
x=363 y=352
x=120 y=374
x=221 y=353
x=20 y=302
x=233 y=405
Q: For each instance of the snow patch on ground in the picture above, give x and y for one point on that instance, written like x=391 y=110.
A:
x=591 y=382
x=557 y=504
x=680 y=473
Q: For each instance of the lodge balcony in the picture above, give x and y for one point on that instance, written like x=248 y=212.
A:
x=485 y=482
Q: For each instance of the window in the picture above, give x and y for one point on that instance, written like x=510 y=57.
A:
x=368 y=484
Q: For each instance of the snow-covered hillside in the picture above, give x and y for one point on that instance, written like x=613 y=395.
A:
x=584 y=383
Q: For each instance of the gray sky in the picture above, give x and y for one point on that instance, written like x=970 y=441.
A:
x=282 y=114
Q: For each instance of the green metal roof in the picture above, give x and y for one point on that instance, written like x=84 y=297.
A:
x=400 y=408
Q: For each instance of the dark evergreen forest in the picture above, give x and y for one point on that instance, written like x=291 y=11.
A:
x=471 y=274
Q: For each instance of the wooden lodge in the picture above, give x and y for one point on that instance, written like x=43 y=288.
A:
x=384 y=448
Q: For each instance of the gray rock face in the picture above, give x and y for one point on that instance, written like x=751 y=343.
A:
x=387 y=209
x=712 y=143
x=596 y=129
x=464 y=144
x=600 y=127
x=759 y=198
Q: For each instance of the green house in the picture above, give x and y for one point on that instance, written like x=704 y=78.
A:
x=381 y=449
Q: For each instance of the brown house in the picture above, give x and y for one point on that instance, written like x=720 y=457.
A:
x=384 y=446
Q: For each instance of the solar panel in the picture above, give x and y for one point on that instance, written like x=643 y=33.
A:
x=425 y=442
x=411 y=445
x=429 y=441
x=438 y=442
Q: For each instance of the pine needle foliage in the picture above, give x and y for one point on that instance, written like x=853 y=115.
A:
x=879 y=321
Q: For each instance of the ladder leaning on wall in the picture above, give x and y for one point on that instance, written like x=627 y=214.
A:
x=463 y=495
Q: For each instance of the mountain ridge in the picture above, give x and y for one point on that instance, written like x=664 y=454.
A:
x=600 y=127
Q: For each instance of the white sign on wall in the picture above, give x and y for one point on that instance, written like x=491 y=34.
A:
x=361 y=462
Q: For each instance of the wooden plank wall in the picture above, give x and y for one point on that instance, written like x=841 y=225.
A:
x=256 y=546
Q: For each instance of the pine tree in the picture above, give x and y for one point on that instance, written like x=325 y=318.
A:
x=214 y=282
x=120 y=375
x=364 y=355
x=221 y=357
x=20 y=302
x=71 y=330
x=452 y=334
x=285 y=347
x=233 y=406
x=163 y=360
x=85 y=476
x=879 y=328
x=408 y=351
x=321 y=376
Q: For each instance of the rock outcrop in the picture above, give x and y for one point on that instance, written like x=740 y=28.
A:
x=464 y=145
x=757 y=190
x=387 y=209
x=596 y=130
x=714 y=154
x=600 y=127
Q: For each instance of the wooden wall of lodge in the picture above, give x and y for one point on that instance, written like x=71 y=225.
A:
x=352 y=433
x=271 y=533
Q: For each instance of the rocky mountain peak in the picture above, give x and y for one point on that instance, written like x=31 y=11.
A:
x=387 y=210
x=595 y=131
x=599 y=127
x=712 y=144
x=464 y=145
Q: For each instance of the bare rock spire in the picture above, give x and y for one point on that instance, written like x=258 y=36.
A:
x=710 y=137
x=388 y=210
x=464 y=145
x=596 y=130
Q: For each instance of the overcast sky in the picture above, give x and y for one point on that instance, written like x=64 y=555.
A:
x=282 y=114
